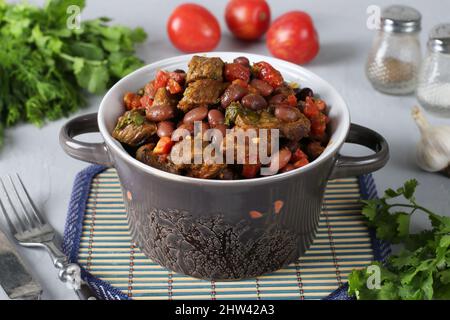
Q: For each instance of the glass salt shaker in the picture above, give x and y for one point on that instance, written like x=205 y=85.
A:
x=394 y=61
x=433 y=91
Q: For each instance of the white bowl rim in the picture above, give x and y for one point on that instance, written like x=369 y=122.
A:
x=336 y=142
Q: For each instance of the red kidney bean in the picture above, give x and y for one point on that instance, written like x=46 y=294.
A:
x=242 y=60
x=279 y=98
x=233 y=93
x=160 y=113
x=281 y=158
x=215 y=117
x=254 y=101
x=287 y=114
x=197 y=114
x=263 y=87
x=165 y=129
x=284 y=156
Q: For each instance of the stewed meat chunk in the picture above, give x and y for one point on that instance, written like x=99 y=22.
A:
x=164 y=98
x=205 y=68
x=133 y=129
x=201 y=92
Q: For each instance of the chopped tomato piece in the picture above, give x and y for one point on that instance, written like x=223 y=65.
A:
x=150 y=89
x=319 y=124
x=132 y=101
x=235 y=71
x=265 y=71
x=298 y=155
x=310 y=109
x=146 y=102
x=161 y=79
x=314 y=149
x=164 y=146
x=250 y=171
x=173 y=87
x=321 y=105
x=179 y=77
x=292 y=100
x=301 y=163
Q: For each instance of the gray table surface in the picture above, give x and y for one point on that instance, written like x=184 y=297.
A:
x=345 y=42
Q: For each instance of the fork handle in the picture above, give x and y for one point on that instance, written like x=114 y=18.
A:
x=85 y=292
x=69 y=273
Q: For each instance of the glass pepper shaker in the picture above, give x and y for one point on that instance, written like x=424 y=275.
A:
x=393 y=63
x=433 y=91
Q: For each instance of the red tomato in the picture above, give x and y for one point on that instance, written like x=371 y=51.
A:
x=265 y=71
x=161 y=79
x=164 y=146
x=249 y=171
x=174 y=87
x=234 y=71
x=132 y=101
x=192 y=28
x=311 y=110
x=248 y=19
x=292 y=37
x=146 y=102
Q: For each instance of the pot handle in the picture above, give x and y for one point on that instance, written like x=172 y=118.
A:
x=89 y=152
x=347 y=166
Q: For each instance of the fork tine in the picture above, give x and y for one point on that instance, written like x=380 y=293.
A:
x=30 y=201
x=11 y=226
x=20 y=222
x=27 y=216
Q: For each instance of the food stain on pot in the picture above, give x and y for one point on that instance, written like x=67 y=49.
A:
x=278 y=205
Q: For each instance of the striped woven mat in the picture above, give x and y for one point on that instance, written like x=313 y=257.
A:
x=97 y=237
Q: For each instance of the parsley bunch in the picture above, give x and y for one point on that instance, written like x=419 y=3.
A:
x=421 y=270
x=45 y=66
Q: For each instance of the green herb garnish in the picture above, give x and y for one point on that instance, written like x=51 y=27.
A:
x=235 y=109
x=421 y=270
x=133 y=117
x=45 y=65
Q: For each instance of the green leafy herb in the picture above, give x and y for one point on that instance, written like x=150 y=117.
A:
x=45 y=66
x=235 y=109
x=419 y=271
x=133 y=117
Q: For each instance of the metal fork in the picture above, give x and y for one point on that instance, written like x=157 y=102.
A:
x=31 y=230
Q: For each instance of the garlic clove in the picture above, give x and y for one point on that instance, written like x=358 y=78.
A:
x=433 y=150
x=430 y=161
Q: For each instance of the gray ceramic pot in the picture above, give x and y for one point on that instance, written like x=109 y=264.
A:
x=205 y=228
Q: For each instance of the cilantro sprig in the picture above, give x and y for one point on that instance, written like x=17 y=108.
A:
x=45 y=67
x=421 y=270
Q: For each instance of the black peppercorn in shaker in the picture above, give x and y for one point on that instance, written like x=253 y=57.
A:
x=394 y=60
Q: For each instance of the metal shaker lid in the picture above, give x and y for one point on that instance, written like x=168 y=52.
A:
x=401 y=19
x=439 y=40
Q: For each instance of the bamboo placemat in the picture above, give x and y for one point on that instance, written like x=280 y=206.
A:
x=105 y=251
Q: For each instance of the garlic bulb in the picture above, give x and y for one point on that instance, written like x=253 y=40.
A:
x=433 y=150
